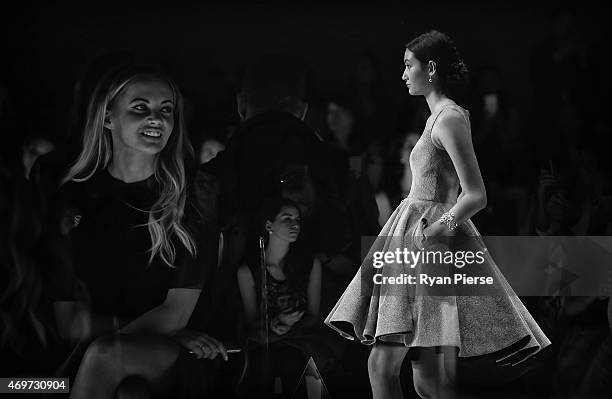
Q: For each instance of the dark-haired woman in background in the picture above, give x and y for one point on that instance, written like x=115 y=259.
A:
x=434 y=325
x=293 y=295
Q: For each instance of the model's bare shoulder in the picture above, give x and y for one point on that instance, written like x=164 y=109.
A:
x=451 y=124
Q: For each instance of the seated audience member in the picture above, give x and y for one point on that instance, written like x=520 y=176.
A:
x=271 y=136
x=128 y=248
x=292 y=301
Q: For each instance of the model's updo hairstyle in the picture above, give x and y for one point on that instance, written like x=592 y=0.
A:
x=451 y=71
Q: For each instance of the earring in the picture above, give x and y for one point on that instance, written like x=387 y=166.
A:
x=430 y=79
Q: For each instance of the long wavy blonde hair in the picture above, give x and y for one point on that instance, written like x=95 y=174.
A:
x=165 y=216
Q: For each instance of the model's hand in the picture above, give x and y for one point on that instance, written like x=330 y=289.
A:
x=202 y=345
x=438 y=229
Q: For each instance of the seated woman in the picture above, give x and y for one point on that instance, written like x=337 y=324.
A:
x=129 y=266
x=293 y=280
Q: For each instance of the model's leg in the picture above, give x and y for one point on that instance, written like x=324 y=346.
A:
x=384 y=366
x=110 y=359
x=434 y=373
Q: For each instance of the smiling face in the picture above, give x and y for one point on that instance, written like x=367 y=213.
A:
x=416 y=75
x=141 y=117
x=286 y=225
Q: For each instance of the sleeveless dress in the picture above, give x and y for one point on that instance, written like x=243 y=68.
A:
x=477 y=319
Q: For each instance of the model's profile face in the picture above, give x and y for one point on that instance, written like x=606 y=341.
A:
x=141 y=117
x=286 y=225
x=415 y=74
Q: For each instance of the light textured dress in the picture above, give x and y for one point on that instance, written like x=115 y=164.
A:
x=478 y=319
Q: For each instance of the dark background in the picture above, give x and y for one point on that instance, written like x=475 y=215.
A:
x=46 y=46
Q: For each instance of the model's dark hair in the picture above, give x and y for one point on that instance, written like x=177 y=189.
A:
x=451 y=69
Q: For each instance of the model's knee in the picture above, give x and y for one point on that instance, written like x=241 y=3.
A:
x=424 y=388
x=433 y=387
x=133 y=387
x=384 y=364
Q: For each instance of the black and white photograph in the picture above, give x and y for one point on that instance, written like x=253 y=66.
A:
x=311 y=200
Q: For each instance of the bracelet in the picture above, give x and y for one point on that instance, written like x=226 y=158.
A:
x=448 y=219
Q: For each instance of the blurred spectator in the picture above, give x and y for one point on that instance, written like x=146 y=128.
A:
x=499 y=151
x=373 y=108
x=347 y=148
x=35 y=145
x=558 y=67
x=575 y=200
x=28 y=338
x=374 y=169
x=271 y=137
x=410 y=141
x=342 y=124
x=209 y=148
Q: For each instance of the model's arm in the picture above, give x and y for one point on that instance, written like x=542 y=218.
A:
x=452 y=133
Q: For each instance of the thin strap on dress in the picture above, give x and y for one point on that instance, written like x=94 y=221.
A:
x=463 y=112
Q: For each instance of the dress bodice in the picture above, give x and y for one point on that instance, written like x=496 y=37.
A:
x=433 y=174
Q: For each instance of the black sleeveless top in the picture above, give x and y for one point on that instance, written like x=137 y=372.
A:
x=290 y=294
x=107 y=260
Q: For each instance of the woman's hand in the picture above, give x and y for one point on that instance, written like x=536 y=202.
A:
x=200 y=344
x=290 y=319
x=282 y=323
x=278 y=328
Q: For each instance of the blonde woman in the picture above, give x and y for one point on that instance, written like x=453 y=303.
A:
x=131 y=278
